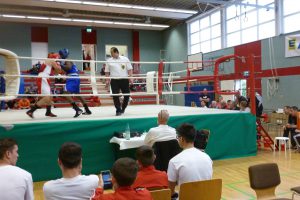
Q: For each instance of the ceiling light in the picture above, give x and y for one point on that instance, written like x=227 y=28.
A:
x=94 y=3
x=160 y=26
x=176 y=10
x=34 y=17
x=68 y=1
x=137 y=24
x=117 y=5
x=60 y=19
x=86 y=21
x=14 y=16
x=123 y=23
x=143 y=7
x=103 y=22
x=82 y=20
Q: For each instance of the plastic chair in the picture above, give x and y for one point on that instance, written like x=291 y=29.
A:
x=264 y=178
x=164 y=194
x=201 y=190
x=282 y=141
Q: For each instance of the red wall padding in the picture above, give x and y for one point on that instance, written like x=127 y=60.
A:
x=88 y=38
x=39 y=34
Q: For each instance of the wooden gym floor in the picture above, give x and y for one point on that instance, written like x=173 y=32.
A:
x=234 y=174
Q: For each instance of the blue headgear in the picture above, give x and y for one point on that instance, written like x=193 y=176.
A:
x=64 y=53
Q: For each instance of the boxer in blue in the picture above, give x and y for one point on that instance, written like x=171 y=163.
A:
x=73 y=84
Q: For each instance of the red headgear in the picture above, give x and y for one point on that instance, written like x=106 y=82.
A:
x=53 y=55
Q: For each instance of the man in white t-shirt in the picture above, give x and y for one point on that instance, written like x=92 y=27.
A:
x=191 y=164
x=119 y=68
x=72 y=185
x=15 y=183
x=161 y=133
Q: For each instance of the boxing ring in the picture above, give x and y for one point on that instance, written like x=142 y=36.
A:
x=232 y=133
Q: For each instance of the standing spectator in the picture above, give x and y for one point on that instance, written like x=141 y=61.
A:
x=148 y=177
x=120 y=68
x=204 y=96
x=191 y=164
x=15 y=183
x=239 y=98
x=244 y=107
x=72 y=185
x=162 y=132
x=124 y=173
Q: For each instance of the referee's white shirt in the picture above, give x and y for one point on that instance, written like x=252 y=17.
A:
x=118 y=67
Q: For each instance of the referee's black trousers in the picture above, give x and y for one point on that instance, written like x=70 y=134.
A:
x=118 y=85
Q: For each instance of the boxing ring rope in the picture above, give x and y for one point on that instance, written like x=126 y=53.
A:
x=12 y=77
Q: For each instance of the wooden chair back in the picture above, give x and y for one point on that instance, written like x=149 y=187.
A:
x=164 y=194
x=201 y=190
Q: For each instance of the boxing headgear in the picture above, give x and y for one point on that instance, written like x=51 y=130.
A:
x=64 y=53
x=53 y=55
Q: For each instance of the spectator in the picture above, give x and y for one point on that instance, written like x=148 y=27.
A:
x=223 y=104
x=72 y=185
x=161 y=133
x=191 y=164
x=291 y=126
x=204 y=96
x=148 y=177
x=203 y=104
x=244 y=107
x=213 y=104
x=239 y=98
x=15 y=183
x=124 y=172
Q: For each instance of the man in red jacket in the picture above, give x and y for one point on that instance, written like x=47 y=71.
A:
x=124 y=173
x=148 y=177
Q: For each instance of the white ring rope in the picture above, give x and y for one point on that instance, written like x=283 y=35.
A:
x=152 y=79
x=81 y=77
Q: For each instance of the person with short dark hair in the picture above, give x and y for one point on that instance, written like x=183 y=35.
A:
x=15 y=183
x=72 y=185
x=291 y=126
x=148 y=177
x=124 y=172
x=204 y=96
x=119 y=68
x=191 y=164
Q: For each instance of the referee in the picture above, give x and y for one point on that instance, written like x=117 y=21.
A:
x=119 y=66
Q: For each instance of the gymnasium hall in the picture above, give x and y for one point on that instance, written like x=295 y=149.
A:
x=149 y=99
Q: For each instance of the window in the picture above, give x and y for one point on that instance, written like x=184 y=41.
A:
x=291 y=14
x=205 y=34
x=244 y=21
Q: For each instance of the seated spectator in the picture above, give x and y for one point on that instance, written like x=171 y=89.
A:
x=161 y=133
x=15 y=183
x=148 y=177
x=244 y=106
x=229 y=104
x=191 y=164
x=72 y=185
x=203 y=104
x=124 y=173
x=213 y=104
x=291 y=126
x=223 y=104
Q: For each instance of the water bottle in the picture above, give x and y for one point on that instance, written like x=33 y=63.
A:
x=127 y=132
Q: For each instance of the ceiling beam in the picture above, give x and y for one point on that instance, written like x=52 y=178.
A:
x=85 y=7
